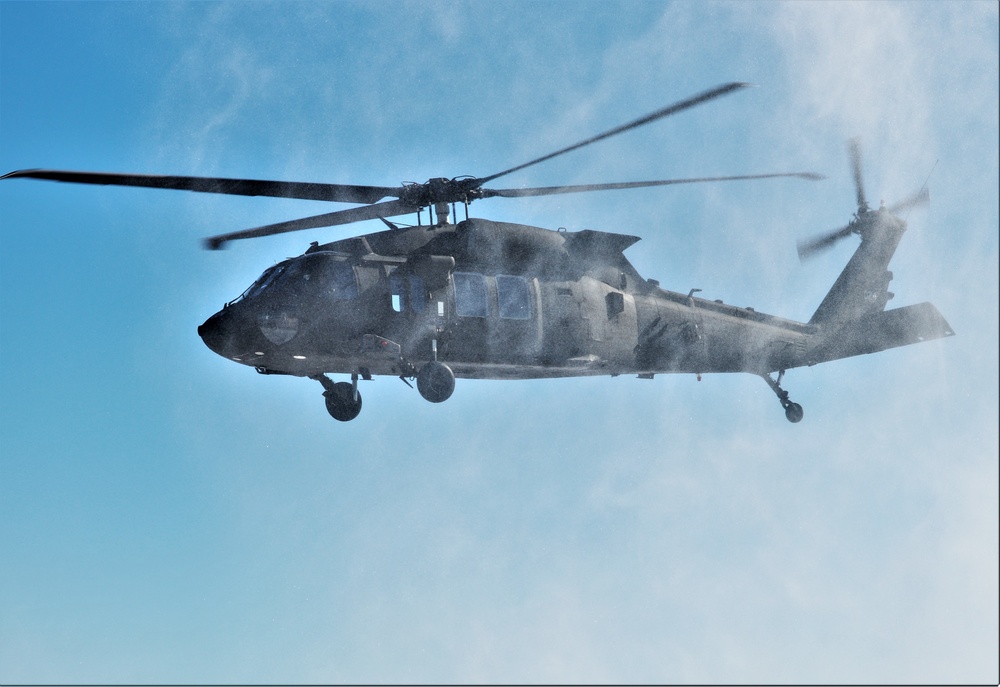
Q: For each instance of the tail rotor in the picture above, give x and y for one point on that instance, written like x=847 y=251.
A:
x=865 y=216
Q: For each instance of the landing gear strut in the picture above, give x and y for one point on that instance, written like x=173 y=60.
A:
x=793 y=411
x=343 y=400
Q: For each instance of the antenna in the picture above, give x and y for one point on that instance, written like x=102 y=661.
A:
x=923 y=189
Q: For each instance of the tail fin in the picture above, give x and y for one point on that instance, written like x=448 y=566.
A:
x=852 y=319
x=862 y=288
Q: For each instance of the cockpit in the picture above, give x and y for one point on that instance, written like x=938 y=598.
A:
x=321 y=276
x=297 y=297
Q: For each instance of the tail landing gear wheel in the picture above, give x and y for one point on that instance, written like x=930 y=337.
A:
x=435 y=382
x=341 y=402
x=793 y=411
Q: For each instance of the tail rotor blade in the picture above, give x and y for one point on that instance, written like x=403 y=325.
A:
x=921 y=197
x=854 y=149
x=809 y=248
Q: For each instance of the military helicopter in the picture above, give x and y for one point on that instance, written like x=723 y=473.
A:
x=493 y=300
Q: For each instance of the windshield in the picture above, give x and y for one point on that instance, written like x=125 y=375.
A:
x=315 y=274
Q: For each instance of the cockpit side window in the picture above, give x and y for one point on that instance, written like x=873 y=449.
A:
x=340 y=281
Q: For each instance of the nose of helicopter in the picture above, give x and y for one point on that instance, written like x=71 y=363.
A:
x=218 y=333
x=212 y=334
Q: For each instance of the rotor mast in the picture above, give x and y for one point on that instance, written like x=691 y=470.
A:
x=443 y=212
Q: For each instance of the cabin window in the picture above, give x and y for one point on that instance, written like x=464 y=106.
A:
x=408 y=293
x=470 y=295
x=397 y=285
x=615 y=302
x=418 y=293
x=513 y=297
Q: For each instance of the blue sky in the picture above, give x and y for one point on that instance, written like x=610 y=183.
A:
x=167 y=516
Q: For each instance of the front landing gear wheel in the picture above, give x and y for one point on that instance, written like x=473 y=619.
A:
x=793 y=411
x=435 y=382
x=341 y=402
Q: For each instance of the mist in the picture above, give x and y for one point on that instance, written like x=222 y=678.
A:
x=169 y=516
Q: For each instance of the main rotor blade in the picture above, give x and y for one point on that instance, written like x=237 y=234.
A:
x=343 y=193
x=820 y=243
x=854 y=149
x=659 y=114
x=582 y=188
x=390 y=208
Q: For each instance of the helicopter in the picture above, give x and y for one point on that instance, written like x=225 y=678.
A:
x=481 y=299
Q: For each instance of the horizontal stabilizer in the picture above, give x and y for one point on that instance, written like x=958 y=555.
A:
x=879 y=331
